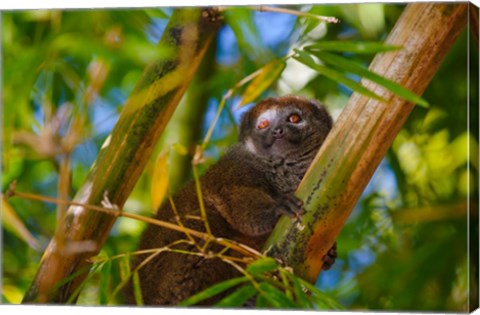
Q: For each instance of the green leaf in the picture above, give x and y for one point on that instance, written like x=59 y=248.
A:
x=288 y=287
x=318 y=296
x=262 y=265
x=137 y=290
x=212 y=291
x=301 y=296
x=104 y=282
x=78 y=290
x=352 y=47
x=239 y=297
x=334 y=75
x=354 y=67
x=268 y=74
x=124 y=267
x=367 y=19
x=262 y=302
x=157 y=13
x=242 y=22
x=275 y=297
x=372 y=19
x=14 y=224
x=310 y=25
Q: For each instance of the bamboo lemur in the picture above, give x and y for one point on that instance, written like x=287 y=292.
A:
x=244 y=194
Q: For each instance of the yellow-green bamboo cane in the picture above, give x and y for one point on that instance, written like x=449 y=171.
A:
x=124 y=154
x=362 y=135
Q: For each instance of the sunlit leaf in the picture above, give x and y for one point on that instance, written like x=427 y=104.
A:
x=15 y=225
x=268 y=75
x=354 y=67
x=160 y=179
x=157 y=13
x=124 y=267
x=368 y=18
x=180 y=149
x=11 y=294
x=239 y=297
x=311 y=24
x=263 y=265
x=213 y=290
x=352 y=47
x=372 y=18
x=137 y=290
x=339 y=77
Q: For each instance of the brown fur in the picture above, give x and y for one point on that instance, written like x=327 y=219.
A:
x=244 y=194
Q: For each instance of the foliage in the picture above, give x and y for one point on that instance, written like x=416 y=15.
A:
x=265 y=284
x=67 y=73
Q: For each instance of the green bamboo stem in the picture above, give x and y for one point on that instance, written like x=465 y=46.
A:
x=362 y=135
x=123 y=155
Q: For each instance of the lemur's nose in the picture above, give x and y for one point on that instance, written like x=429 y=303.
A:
x=278 y=132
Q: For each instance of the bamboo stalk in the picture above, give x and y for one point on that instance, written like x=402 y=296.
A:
x=362 y=135
x=124 y=154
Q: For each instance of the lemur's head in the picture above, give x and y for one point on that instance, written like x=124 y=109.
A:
x=284 y=127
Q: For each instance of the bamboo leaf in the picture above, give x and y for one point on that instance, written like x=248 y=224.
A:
x=310 y=25
x=301 y=296
x=157 y=13
x=212 y=291
x=11 y=294
x=286 y=284
x=354 y=67
x=160 y=179
x=126 y=151
x=105 y=275
x=124 y=267
x=137 y=290
x=124 y=281
x=89 y=274
x=242 y=22
x=275 y=297
x=317 y=295
x=334 y=75
x=262 y=265
x=352 y=47
x=268 y=74
x=239 y=297
x=180 y=148
x=15 y=225
x=261 y=302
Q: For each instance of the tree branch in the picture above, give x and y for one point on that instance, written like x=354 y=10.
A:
x=362 y=135
x=124 y=154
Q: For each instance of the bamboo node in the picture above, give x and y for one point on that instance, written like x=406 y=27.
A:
x=107 y=204
x=11 y=189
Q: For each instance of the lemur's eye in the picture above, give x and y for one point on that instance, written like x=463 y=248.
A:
x=294 y=119
x=264 y=123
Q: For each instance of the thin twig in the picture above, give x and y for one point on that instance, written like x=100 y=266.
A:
x=328 y=19
x=203 y=211
x=245 y=250
x=262 y=8
x=179 y=222
x=221 y=105
x=98 y=259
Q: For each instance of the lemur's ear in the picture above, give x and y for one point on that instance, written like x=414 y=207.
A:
x=245 y=124
x=323 y=113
